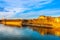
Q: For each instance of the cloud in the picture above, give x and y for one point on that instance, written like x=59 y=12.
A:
x=10 y=12
x=50 y=12
x=16 y=10
x=19 y=7
x=27 y=3
x=6 y=14
x=3 y=4
x=36 y=14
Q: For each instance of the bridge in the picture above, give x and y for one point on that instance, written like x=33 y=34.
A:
x=26 y=23
x=38 y=26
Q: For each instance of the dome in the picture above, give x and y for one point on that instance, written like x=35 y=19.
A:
x=42 y=17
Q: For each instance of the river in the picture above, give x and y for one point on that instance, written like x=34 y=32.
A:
x=13 y=33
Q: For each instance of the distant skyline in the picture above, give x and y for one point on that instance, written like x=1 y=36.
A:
x=27 y=9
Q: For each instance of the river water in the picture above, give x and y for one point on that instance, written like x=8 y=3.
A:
x=13 y=33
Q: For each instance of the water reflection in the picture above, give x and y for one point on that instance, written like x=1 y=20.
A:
x=13 y=33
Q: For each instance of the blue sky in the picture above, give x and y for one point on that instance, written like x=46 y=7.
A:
x=27 y=9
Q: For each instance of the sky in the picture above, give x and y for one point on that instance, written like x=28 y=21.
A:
x=28 y=9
